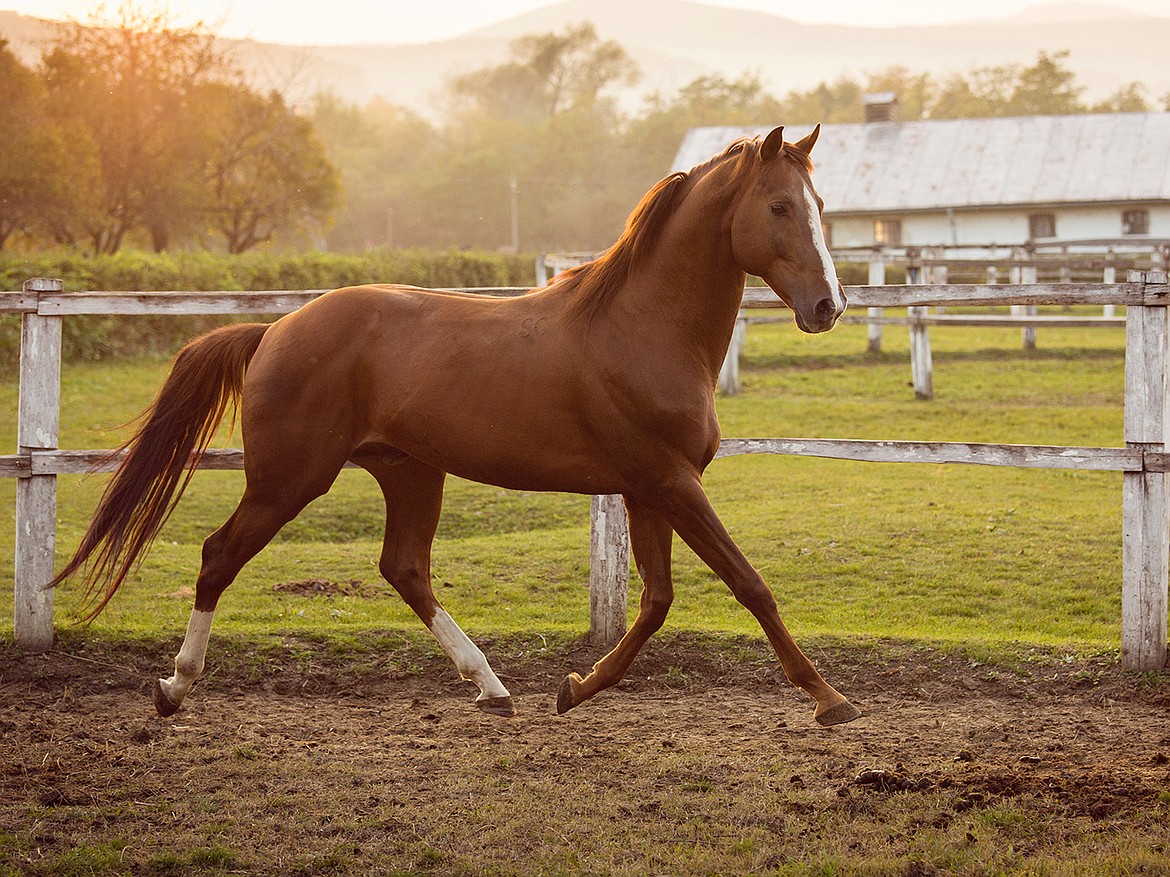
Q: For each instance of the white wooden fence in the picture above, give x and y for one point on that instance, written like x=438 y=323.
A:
x=1019 y=264
x=1144 y=461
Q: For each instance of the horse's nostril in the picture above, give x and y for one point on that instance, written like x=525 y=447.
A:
x=825 y=310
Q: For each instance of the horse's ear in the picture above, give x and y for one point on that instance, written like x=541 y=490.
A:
x=772 y=144
x=805 y=144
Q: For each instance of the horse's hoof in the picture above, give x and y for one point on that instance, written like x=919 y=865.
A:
x=567 y=696
x=497 y=706
x=837 y=715
x=163 y=704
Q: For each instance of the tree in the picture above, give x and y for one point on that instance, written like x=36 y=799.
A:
x=386 y=155
x=33 y=157
x=525 y=138
x=1130 y=98
x=1047 y=88
x=915 y=91
x=266 y=171
x=127 y=87
x=836 y=102
x=651 y=140
x=984 y=92
x=548 y=74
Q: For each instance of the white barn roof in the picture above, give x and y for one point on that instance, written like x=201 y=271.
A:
x=968 y=163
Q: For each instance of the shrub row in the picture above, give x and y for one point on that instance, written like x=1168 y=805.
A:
x=99 y=337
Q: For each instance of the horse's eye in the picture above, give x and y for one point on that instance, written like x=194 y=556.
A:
x=779 y=209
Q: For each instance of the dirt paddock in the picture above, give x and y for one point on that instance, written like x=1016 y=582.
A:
x=705 y=761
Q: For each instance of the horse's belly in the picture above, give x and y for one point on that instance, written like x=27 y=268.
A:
x=525 y=456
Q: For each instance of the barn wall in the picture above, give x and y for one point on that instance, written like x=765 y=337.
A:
x=997 y=225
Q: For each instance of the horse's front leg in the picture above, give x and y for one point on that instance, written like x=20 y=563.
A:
x=650 y=537
x=690 y=513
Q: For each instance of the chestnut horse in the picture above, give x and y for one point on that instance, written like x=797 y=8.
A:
x=602 y=382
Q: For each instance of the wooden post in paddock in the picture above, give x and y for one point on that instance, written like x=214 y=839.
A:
x=1109 y=275
x=921 y=367
x=609 y=569
x=1145 y=494
x=877 y=277
x=729 y=372
x=1029 y=275
x=36 y=495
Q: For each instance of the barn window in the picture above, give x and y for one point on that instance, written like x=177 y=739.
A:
x=888 y=232
x=1135 y=222
x=1041 y=225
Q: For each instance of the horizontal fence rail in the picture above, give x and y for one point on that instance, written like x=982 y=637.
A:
x=1144 y=461
x=917 y=298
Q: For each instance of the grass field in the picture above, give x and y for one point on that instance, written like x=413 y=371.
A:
x=938 y=553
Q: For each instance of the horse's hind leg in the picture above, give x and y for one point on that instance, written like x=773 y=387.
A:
x=650 y=538
x=414 y=498
x=262 y=511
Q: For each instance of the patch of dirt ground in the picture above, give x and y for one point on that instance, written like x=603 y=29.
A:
x=303 y=758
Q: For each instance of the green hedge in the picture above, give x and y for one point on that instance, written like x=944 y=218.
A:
x=98 y=337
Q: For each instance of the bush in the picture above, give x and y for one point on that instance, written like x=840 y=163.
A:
x=100 y=337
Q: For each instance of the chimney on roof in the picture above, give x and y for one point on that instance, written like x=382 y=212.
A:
x=879 y=106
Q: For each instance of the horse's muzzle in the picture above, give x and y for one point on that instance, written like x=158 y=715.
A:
x=825 y=314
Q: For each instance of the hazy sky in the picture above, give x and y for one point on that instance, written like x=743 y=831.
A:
x=403 y=21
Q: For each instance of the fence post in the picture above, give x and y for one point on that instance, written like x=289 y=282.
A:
x=1109 y=275
x=921 y=366
x=1145 y=497
x=38 y=417
x=729 y=371
x=609 y=569
x=877 y=277
x=1029 y=275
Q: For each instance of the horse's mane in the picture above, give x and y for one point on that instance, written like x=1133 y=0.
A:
x=595 y=283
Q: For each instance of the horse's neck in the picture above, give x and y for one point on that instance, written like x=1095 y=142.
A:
x=690 y=287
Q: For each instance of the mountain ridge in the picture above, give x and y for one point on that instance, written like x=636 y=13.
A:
x=675 y=41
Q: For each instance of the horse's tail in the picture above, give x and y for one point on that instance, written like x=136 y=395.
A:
x=175 y=430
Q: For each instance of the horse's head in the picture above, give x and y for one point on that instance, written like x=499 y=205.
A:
x=776 y=232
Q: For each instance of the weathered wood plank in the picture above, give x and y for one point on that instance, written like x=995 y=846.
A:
x=178 y=303
x=16 y=466
x=97 y=461
x=609 y=570
x=187 y=302
x=959 y=295
x=1004 y=321
x=285 y=301
x=1145 y=495
x=876 y=277
x=1027 y=456
x=729 y=371
x=921 y=361
x=36 y=542
x=18 y=302
x=1024 y=456
x=38 y=417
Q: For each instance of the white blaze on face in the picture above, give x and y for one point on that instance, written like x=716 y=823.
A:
x=818 y=238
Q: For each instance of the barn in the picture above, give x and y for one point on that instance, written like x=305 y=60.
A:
x=974 y=182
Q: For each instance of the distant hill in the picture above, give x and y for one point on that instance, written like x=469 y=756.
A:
x=675 y=41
